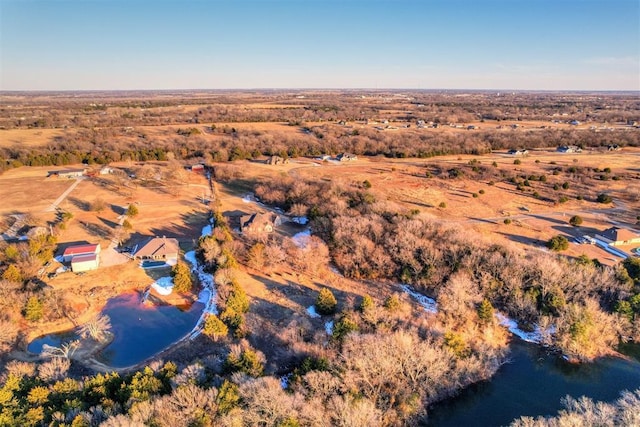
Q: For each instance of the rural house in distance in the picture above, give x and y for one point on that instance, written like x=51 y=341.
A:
x=616 y=236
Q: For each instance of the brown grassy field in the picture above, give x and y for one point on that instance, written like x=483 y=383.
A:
x=403 y=183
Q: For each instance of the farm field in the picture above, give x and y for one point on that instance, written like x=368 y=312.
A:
x=310 y=225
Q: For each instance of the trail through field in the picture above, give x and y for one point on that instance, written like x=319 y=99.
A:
x=64 y=195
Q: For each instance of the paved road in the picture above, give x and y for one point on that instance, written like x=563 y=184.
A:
x=64 y=195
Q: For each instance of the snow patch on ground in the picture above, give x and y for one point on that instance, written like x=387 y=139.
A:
x=284 y=381
x=429 y=304
x=302 y=238
x=248 y=198
x=206 y=280
x=204 y=296
x=302 y=220
x=163 y=286
x=312 y=312
x=534 y=337
x=328 y=326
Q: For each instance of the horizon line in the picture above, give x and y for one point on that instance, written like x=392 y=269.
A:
x=277 y=89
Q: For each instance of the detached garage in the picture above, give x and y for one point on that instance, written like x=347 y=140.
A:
x=82 y=263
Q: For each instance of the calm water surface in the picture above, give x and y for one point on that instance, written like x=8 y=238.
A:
x=141 y=330
x=532 y=385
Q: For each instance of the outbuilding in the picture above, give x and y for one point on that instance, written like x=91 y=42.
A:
x=80 y=250
x=82 y=263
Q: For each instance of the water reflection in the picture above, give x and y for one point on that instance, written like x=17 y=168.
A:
x=142 y=330
x=533 y=384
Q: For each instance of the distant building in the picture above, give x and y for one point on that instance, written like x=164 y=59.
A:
x=80 y=250
x=261 y=223
x=514 y=152
x=574 y=122
x=345 y=157
x=198 y=167
x=277 y=160
x=67 y=173
x=106 y=170
x=616 y=236
x=158 y=248
x=614 y=147
x=569 y=149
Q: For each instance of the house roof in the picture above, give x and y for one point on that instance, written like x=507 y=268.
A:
x=235 y=213
x=84 y=258
x=158 y=247
x=80 y=249
x=619 y=234
x=260 y=220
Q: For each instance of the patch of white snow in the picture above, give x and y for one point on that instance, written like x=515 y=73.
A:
x=302 y=238
x=536 y=336
x=284 y=381
x=163 y=286
x=429 y=304
x=328 y=326
x=206 y=230
x=302 y=220
x=312 y=312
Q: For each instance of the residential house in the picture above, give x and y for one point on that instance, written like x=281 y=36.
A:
x=261 y=223
x=345 y=157
x=514 y=152
x=236 y=218
x=569 y=149
x=277 y=160
x=158 y=248
x=616 y=236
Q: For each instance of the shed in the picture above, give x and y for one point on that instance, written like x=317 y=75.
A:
x=82 y=263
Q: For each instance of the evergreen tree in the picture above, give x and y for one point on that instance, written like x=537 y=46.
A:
x=326 y=303
x=485 y=312
x=182 y=281
x=34 y=309
x=214 y=327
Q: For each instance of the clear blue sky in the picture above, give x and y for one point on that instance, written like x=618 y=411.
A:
x=455 y=44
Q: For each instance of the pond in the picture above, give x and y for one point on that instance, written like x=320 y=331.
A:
x=55 y=340
x=139 y=330
x=142 y=330
x=533 y=384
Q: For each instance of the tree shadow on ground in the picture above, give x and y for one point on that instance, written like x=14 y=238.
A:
x=96 y=230
x=529 y=241
x=118 y=210
x=80 y=204
x=108 y=223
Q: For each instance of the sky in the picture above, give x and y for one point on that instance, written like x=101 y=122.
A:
x=373 y=44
